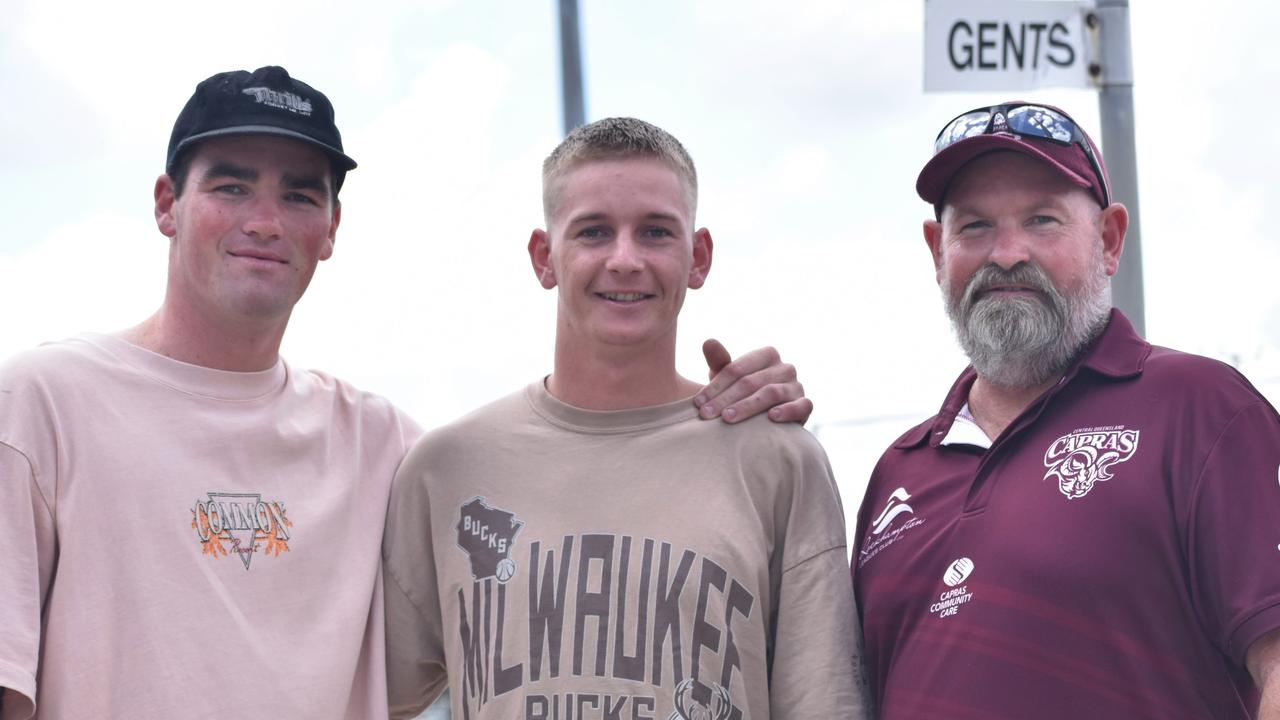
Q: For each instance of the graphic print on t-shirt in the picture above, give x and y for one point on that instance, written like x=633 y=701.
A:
x=1082 y=458
x=595 y=605
x=244 y=521
x=487 y=535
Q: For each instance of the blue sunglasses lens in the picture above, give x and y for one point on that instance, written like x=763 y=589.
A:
x=1041 y=122
x=967 y=125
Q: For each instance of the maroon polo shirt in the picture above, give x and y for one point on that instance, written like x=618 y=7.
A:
x=1113 y=554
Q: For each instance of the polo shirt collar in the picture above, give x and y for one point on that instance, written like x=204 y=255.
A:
x=965 y=431
x=1118 y=353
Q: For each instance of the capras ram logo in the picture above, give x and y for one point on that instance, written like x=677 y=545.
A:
x=1081 y=459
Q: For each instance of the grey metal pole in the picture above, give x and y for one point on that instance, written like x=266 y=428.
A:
x=1115 y=105
x=571 y=66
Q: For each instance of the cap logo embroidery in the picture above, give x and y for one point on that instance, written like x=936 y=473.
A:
x=280 y=100
x=1080 y=459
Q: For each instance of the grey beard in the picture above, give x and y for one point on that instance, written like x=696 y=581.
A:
x=1024 y=342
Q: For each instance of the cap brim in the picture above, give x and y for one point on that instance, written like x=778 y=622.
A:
x=344 y=162
x=937 y=174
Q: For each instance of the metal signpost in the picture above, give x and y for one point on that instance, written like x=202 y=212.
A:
x=1115 y=105
x=980 y=45
x=571 y=66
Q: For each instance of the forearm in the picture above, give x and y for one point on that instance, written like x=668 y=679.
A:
x=1263 y=661
x=1269 y=707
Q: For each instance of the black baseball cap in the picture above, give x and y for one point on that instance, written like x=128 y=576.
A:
x=263 y=102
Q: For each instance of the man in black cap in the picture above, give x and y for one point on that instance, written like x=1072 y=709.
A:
x=192 y=523
x=1088 y=527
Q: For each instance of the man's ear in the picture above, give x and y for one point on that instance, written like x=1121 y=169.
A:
x=327 y=251
x=540 y=257
x=702 y=251
x=933 y=238
x=165 y=201
x=1113 y=223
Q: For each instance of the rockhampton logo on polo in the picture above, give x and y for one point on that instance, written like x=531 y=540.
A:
x=950 y=601
x=1082 y=458
x=878 y=539
x=895 y=506
x=279 y=99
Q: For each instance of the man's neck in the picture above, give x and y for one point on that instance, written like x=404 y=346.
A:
x=190 y=338
x=609 y=378
x=994 y=407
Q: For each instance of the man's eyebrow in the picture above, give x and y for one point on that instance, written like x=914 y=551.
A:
x=226 y=169
x=1052 y=203
x=588 y=217
x=667 y=217
x=964 y=210
x=318 y=183
x=598 y=216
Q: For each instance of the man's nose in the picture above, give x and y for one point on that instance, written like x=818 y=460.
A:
x=1010 y=247
x=624 y=255
x=263 y=219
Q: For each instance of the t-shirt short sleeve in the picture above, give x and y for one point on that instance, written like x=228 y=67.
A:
x=415 y=647
x=817 y=668
x=27 y=545
x=1233 y=538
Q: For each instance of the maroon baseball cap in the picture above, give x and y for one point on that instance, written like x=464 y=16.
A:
x=1041 y=131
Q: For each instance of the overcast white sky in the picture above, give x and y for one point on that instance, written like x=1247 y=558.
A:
x=808 y=126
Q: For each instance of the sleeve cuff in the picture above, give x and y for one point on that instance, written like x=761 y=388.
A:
x=1258 y=624
x=20 y=692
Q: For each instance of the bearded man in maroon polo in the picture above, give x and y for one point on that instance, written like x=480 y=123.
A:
x=1090 y=525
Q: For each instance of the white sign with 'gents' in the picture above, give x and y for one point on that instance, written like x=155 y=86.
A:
x=1007 y=44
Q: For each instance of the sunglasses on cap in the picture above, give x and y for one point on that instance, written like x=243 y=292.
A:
x=1035 y=121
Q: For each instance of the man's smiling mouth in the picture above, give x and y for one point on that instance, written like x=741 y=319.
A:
x=623 y=297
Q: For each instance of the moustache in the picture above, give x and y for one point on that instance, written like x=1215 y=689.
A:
x=992 y=276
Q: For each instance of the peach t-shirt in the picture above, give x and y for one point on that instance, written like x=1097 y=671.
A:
x=187 y=542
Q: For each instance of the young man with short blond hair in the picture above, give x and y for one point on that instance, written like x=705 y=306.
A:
x=586 y=547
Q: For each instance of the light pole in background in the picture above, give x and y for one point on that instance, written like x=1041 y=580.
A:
x=1115 y=109
x=571 y=66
